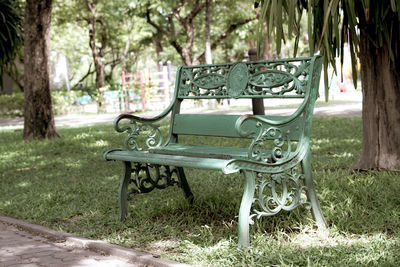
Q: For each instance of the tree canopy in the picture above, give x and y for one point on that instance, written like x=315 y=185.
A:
x=137 y=30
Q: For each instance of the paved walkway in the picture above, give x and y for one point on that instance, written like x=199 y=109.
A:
x=19 y=248
x=24 y=244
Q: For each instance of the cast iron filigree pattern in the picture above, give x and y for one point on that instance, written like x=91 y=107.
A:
x=151 y=131
x=280 y=191
x=147 y=177
x=204 y=81
x=270 y=144
x=245 y=79
x=259 y=151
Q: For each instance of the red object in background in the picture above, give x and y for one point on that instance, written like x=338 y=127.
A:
x=342 y=87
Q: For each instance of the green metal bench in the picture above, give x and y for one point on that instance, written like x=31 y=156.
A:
x=276 y=164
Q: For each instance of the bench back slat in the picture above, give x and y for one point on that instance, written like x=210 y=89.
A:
x=224 y=125
x=207 y=125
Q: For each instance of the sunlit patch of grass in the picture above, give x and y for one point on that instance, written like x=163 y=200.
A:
x=82 y=136
x=65 y=184
x=24 y=184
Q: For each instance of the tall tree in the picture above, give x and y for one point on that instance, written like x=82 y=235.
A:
x=372 y=29
x=38 y=114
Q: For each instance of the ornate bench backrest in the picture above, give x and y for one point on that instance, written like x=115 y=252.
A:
x=282 y=78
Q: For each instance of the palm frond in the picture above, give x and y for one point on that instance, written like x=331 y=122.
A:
x=331 y=24
x=11 y=31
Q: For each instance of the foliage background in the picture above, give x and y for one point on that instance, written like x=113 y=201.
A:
x=125 y=19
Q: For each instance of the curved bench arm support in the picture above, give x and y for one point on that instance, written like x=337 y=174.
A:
x=272 y=142
x=141 y=126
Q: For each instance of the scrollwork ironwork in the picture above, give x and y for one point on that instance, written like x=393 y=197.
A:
x=135 y=128
x=147 y=177
x=259 y=150
x=286 y=193
x=209 y=81
x=261 y=78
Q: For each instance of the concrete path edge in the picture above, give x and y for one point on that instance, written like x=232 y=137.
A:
x=93 y=245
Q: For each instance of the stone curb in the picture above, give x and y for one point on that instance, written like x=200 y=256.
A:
x=134 y=256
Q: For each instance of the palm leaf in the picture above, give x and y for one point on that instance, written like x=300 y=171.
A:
x=10 y=31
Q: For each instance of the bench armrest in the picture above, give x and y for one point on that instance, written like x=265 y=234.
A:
x=145 y=126
x=272 y=139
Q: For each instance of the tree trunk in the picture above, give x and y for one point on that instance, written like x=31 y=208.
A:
x=380 y=78
x=98 y=59
x=99 y=68
x=97 y=55
x=157 y=45
x=187 y=53
x=38 y=114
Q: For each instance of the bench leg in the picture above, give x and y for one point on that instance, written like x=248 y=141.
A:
x=311 y=195
x=245 y=206
x=123 y=190
x=185 y=185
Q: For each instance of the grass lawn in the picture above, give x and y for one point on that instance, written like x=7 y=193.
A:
x=64 y=184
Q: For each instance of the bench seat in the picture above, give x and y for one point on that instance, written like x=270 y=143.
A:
x=170 y=160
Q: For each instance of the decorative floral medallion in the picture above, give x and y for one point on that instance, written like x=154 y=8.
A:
x=237 y=79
